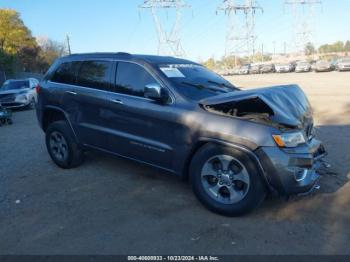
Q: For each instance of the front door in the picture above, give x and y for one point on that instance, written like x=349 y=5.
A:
x=141 y=128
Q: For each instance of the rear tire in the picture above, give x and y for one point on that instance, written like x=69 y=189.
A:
x=62 y=147
x=241 y=188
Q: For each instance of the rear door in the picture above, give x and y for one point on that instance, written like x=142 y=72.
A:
x=140 y=128
x=93 y=82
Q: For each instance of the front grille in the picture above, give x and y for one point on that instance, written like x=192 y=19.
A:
x=7 y=97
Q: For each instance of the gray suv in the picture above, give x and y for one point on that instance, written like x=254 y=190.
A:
x=234 y=146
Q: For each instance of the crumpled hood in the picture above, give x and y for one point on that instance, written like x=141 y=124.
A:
x=288 y=103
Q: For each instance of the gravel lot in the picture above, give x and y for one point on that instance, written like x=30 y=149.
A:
x=115 y=206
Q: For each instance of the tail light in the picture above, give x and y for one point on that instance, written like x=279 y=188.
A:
x=37 y=88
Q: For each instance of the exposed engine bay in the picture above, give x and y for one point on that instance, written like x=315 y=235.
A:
x=285 y=107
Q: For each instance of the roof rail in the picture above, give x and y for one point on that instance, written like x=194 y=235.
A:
x=123 y=53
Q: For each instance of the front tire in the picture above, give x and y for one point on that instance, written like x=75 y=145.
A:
x=62 y=147
x=226 y=180
x=31 y=104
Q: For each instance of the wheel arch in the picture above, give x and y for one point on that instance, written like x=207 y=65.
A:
x=52 y=114
x=204 y=141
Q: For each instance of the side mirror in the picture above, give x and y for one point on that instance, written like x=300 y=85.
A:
x=156 y=92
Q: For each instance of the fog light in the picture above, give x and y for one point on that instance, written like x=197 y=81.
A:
x=300 y=174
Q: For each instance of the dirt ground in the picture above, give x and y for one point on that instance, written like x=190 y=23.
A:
x=115 y=206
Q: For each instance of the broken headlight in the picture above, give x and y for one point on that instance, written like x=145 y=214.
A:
x=289 y=139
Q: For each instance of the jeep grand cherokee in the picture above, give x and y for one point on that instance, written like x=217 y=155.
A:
x=234 y=145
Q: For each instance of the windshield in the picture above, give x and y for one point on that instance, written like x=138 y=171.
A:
x=345 y=60
x=12 y=85
x=303 y=64
x=195 y=81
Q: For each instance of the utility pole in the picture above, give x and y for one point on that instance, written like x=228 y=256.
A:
x=303 y=12
x=68 y=44
x=274 y=48
x=262 y=53
x=240 y=37
x=285 y=47
x=169 y=42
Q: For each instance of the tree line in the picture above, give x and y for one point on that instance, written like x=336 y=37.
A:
x=20 y=51
x=338 y=46
x=231 y=62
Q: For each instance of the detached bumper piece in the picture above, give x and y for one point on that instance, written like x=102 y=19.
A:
x=293 y=171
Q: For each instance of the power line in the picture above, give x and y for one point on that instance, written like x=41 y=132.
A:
x=240 y=31
x=169 y=42
x=303 y=12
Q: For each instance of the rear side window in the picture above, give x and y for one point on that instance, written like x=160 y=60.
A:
x=66 y=73
x=95 y=74
x=131 y=79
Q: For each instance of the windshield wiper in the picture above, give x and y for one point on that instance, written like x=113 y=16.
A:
x=201 y=86
x=221 y=84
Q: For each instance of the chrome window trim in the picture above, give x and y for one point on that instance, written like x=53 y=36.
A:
x=172 y=96
x=100 y=90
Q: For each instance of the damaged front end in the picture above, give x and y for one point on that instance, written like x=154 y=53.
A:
x=291 y=166
x=283 y=106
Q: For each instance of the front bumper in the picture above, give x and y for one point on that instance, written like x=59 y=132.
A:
x=292 y=171
x=13 y=104
x=283 y=70
x=302 y=70
x=344 y=68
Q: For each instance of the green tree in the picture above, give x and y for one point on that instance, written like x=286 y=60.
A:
x=332 y=48
x=14 y=35
x=309 y=49
x=7 y=63
x=210 y=64
x=51 y=50
x=347 y=46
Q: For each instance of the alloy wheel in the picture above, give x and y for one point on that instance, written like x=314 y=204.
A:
x=58 y=146
x=225 y=179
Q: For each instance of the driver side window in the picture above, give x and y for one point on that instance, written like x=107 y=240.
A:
x=131 y=79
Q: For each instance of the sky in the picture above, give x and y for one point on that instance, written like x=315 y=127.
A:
x=120 y=26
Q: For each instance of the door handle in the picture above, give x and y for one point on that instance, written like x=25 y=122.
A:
x=71 y=93
x=117 y=101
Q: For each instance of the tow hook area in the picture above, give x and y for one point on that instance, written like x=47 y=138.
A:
x=316 y=187
x=325 y=164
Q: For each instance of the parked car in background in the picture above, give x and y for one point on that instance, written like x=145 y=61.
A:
x=284 y=68
x=302 y=67
x=323 y=66
x=255 y=69
x=267 y=68
x=343 y=64
x=235 y=71
x=19 y=93
x=313 y=65
x=244 y=69
x=235 y=146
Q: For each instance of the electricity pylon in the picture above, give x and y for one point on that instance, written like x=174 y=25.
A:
x=169 y=42
x=240 y=35
x=303 y=12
